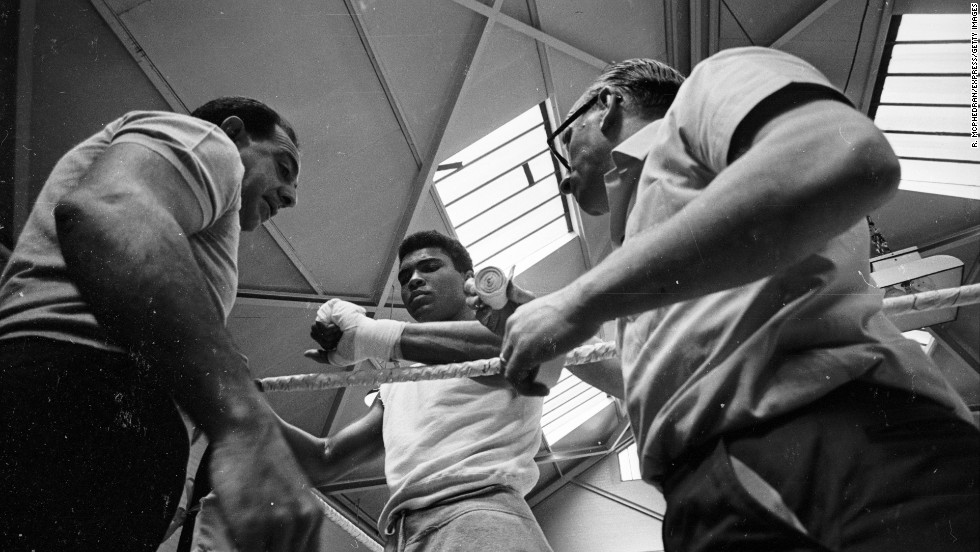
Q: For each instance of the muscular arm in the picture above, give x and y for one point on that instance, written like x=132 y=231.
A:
x=444 y=342
x=811 y=172
x=811 y=168
x=123 y=234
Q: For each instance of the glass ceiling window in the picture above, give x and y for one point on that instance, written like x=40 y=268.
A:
x=924 y=338
x=922 y=102
x=501 y=193
x=570 y=403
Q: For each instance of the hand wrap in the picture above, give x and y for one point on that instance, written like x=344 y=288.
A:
x=363 y=337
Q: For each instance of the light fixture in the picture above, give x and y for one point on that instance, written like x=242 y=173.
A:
x=905 y=271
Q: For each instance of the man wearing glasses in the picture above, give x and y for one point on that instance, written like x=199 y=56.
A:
x=772 y=401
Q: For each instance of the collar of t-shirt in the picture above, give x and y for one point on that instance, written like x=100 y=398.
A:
x=628 y=158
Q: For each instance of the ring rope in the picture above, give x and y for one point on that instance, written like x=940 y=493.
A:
x=586 y=354
x=354 y=531
x=932 y=300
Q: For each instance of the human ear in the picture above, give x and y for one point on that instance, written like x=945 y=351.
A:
x=612 y=114
x=234 y=127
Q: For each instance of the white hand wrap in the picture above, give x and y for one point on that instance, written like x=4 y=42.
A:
x=363 y=337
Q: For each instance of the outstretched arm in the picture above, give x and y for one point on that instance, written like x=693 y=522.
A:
x=327 y=459
x=811 y=168
x=123 y=234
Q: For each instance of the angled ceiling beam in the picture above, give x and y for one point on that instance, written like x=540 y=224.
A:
x=540 y=496
x=659 y=516
x=396 y=107
x=803 y=24
x=495 y=15
x=290 y=253
x=423 y=179
x=955 y=239
x=617 y=445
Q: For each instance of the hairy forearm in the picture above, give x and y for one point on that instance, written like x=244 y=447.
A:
x=135 y=269
x=444 y=342
x=760 y=215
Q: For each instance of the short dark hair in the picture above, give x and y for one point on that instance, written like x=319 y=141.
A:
x=648 y=84
x=260 y=120
x=430 y=238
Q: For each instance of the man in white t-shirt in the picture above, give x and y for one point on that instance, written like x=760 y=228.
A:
x=113 y=308
x=772 y=401
x=459 y=453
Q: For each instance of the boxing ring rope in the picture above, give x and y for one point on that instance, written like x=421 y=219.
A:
x=893 y=306
x=354 y=531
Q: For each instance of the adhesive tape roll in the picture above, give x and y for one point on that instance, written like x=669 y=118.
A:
x=491 y=286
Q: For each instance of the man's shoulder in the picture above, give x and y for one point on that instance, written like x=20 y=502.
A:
x=166 y=121
x=166 y=130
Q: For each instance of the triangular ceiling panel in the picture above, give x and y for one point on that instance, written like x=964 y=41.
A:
x=264 y=266
x=635 y=29
x=763 y=22
x=505 y=82
x=78 y=61
x=423 y=50
x=830 y=41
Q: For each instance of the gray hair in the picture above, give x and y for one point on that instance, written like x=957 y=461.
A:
x=647 y=84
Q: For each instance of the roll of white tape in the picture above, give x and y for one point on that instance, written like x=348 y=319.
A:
x=491 y=286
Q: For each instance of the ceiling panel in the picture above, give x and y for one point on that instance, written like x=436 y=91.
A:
x=914 y=218
x=633 y=29
x=423 y=49
x=83 y=78
x=764 y=22
x=829 y=41
x=263 y=265
x=505 y=82
x=309 y=62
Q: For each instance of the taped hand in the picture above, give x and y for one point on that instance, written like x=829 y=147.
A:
x=362 y=337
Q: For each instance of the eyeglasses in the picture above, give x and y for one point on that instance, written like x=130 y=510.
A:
x=561 y=128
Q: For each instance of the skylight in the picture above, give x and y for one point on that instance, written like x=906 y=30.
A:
x=924 y=338
x=570 y=403
x=923 y=102
x=501 y=193
x=629 y=464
